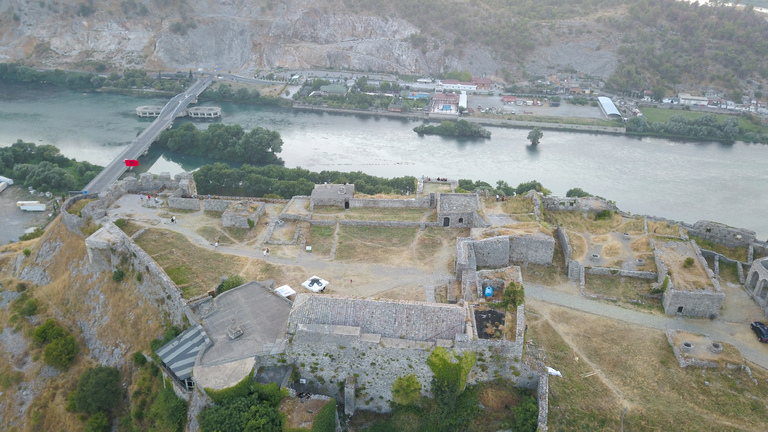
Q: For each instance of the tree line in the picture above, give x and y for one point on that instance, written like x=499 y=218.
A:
x=706 y=127
x=280 y=182
x=460 y=128
x=44 y=168
x=225 y=142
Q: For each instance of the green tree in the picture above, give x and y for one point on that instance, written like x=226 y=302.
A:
x=577 y=193
x=98 y=390
x=523 y=188
x=406 y=390
x=535 y=135
x=48 y=332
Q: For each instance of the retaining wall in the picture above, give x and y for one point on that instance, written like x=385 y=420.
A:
x=492 y=252
x=565 y=244
x=217 y=205
x=532 y=248
x=605 y=271
x=722 y=234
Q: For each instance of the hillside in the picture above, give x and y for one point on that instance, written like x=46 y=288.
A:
x=108 y=319
x=653 y=43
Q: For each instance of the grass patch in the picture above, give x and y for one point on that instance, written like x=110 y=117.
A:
x=129 y=228
x=525 y=217
x=90 y=228
x=181 y=211
x=624 y=289
x=239 y=234
x=641 y=245
x=197 y=268
x=578 y=245
x=729 y=272
x=739 y=254
x=374 y=244
x=575 y=221
x=212 y=234
x=633 y=226
x=321 y=239
x=77 y=207
x=430 y=187
x=517 y=205
x=547 y=275
x=634 y=359
x=663 y=228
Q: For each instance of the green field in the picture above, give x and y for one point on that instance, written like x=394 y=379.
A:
x=662 y=115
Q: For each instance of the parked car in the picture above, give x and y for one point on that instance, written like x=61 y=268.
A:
x=761 y=330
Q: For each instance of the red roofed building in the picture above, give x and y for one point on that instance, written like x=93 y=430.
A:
x=482 y=83
x=508 y=100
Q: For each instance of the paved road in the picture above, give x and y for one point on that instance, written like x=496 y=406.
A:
x=717 y=330
x=172 y=109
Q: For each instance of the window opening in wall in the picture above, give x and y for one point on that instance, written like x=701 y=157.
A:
x=346 y=203
x=680 y=309
x=461 y=220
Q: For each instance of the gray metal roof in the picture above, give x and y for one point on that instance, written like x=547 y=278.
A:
x=609 y=108
x=179 y=354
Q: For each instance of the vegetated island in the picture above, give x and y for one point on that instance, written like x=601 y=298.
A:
x=459 y=128
x=225 y=142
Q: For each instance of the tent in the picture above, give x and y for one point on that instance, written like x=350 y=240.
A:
x=315 y=284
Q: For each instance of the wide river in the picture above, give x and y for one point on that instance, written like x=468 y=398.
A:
x=677 y=180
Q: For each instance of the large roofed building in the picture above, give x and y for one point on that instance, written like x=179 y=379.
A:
x=608 y=108
x=391 y=319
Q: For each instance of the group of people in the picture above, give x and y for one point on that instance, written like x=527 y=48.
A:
x=502 y=198
x=149 y=198
x=437 y=179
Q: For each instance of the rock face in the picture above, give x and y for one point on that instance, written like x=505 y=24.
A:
x=232 y=35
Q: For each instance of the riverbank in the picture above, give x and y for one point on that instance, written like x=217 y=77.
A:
x=483 y=121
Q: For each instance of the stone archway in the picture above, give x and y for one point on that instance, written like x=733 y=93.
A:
x=752 y=286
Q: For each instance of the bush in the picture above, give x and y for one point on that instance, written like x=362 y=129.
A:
x=48 y=332
x=688 y=262
x=231 y=282
x=577 y=193
x=603 y=215
x=251 y=223
x=525 y=415
x=98 y=390
x=118 y=275
x=61 y=352
x=406 y=390
x=33 y=235
x=98 y=423
x=139 y=359
x=26 y=252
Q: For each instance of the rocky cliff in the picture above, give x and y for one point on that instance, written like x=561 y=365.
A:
x=234 y=35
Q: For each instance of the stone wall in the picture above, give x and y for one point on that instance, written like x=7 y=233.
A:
x=493 y=252
x=661 y=268
x=217 y=205
x=605 y=271
x=701 y=303
x=586 y=204
x=328 y=355
x=184 y=203
x=532 y=248
x=565 y=244
x=722 y=234
x=543 y=396
x=109 y=245
x=422 y=202
x=73 y=222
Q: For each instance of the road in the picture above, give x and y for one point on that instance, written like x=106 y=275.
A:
x=172 y=109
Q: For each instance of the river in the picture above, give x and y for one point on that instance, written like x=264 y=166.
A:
x=678 y=180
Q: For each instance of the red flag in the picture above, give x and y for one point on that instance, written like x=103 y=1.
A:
x=131 y=162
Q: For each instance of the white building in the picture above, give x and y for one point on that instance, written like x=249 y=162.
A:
x=687 y=99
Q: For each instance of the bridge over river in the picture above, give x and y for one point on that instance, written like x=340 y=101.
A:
x=176 y=107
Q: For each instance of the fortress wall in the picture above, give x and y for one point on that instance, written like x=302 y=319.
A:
x=565 y=244
x=492 y=252
x=532 y=248
x=722 y=234
x=389 y=203
x=700 y=303
x=184 y=203
x=605 y=271
x=217 y=205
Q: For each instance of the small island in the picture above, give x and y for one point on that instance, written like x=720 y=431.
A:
x=460 y=128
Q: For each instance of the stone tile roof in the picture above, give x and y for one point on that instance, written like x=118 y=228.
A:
x=406 y=320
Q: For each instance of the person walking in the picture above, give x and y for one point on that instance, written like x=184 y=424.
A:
x=216 y=245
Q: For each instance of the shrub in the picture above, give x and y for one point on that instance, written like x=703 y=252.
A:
x=665 y=284
x=139 y=277
x=525 y=415
x=48 y=332
x=98 y=423
x=231 y=282
x=61 y=352
x=688 y=262
x=406 y=390
x=33 y=235
x=251 y=223
x=26 y=252
x=98 y=390
x=577 y=193
x=603 y=215
x=118 y=275
x=121 y=223
x=139 y=359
